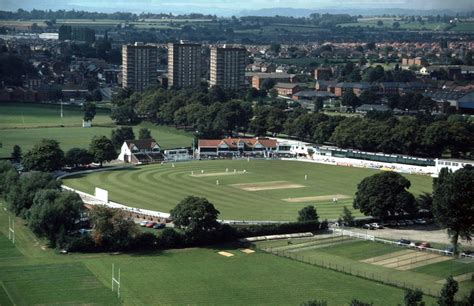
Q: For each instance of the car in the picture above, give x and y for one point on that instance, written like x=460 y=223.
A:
x=143 y=223
x=150 y=224
x=420 y=221
x=366 y=226
x=159 y=225
x=423 y=245
x=409 y=222
x=449 y=250
x=467 y=253
x=403 y=242
x=401 y=223
x=376 y=225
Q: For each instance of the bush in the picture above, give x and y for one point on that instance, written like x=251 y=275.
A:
x=170 y=238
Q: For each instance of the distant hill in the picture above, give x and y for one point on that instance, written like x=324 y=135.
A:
x=295 y=12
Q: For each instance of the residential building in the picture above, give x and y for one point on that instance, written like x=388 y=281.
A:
x=184 y=65
x=259 y=78
x=139 y=65
x=227 y=67
x=287 y=89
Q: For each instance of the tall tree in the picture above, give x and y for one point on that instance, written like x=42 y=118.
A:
x=453 y=203
x=308 y=213
x=89 y=110
x=384 y=194
x=118 y=136
x=448 y=292
x=144 y=133
x=413 y=297
x=102 y=149
x=45 y=156
x=54 y=213
x=349 y=99
x=78 y=156
x=16 y=154
x=195 y=214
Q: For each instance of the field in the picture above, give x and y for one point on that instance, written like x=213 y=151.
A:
x=382 y=262
x=34 y=275
x=389 y=21
x=26 y=124
x=262 y=193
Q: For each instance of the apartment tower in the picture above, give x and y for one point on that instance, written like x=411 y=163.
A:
x=184 y=65
x=227 y=67
x=139 y=66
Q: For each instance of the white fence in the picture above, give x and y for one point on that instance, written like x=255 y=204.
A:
x=354 y=234
x=274 y=237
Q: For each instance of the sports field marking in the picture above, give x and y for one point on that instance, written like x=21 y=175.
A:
x=317 y=198
x=421 y=263
x=386 y=256
x=218 y=174
x=459 y=278
x=247 y=251
x=226 y=254
x=267 y=186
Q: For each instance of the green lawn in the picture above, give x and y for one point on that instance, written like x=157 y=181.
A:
x=162 y=187
x=447 y=268
x=25 y=124
x=23 y=115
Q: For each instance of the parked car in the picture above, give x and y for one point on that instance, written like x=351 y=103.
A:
x=420 y=221
x=467 y=253
x=377 y=225
x=368 y=226
x=403 y=242
x=150 y=224
x=423 y=245
x=449 y=250
x=159 y=225
x=143 y=223
x=401 y=223
x=409 y=222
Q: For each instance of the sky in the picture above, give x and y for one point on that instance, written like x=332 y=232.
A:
x=229 y=6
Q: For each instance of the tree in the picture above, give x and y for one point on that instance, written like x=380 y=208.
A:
x=102 y=149
x=195 y=214
x=396 y=25
x=468 y=299
x=144 y=133
x=112 y=230
x=413 y=297
x=453 y=203
x=8 y=175
x=384 y=194
x=118 y=136
x=54 y=213
x=89 y=110
x=347 y=216
x=380 y=23
x=349 y=99
x=308 y=213
x=275 y=48
x=16 y=154
x=124 y=114
x=449 y=290
x=22 y=190
x=78 y=156
x=45 y=156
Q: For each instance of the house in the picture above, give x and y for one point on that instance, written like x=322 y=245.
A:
x=312 y=95
x=236 y=147
x=356 y=88
x=328 y=86
x=287 y=89
x=140 y=151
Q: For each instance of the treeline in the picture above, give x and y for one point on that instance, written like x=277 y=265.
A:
x=215 y=113
x=63 y=14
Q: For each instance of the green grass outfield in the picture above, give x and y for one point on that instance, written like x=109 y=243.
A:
x=160 y=188
x=177 y=277
x=25 y=124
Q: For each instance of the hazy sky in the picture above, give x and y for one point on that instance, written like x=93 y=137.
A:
x=228 y=6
